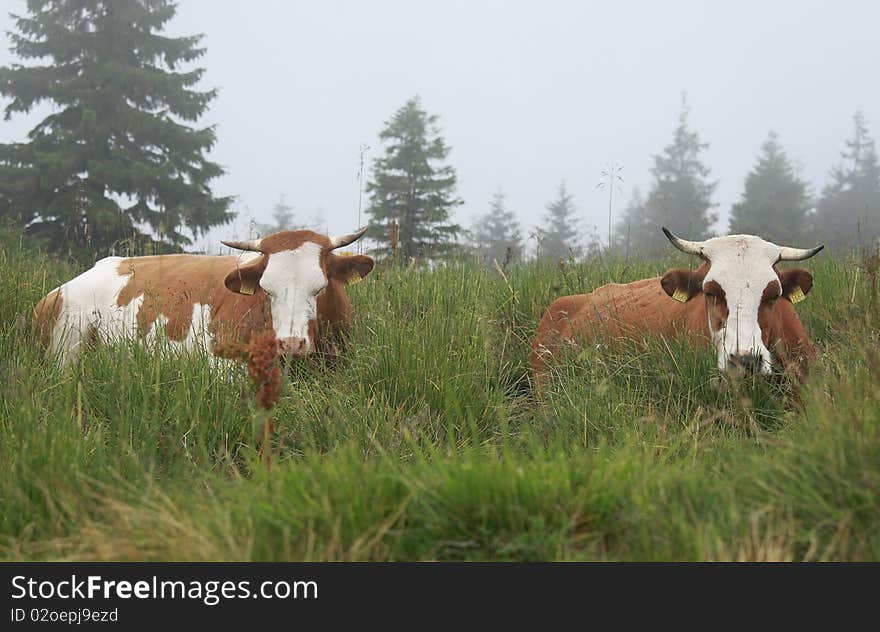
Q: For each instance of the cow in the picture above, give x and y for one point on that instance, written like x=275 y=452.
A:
x=738 y=302
x=290 y=281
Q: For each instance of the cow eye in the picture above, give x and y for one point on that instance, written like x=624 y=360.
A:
x=709 y=295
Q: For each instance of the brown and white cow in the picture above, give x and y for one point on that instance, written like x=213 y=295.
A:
x=737 y=301
x=291 y=282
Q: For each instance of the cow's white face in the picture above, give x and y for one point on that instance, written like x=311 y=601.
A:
x=293 y=268
x=741 y=286
x=741 y=278
x=292 y=280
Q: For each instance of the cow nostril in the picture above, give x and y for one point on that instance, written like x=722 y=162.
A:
x=294 y=346
x=750 y=362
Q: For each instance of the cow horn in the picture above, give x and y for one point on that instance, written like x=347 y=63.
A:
x=688 y=247
x=797 y=254
x=252 y=245
x=344 y=240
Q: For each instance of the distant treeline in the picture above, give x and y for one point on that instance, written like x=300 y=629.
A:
x=120 y=165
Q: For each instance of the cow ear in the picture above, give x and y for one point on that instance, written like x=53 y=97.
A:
x=245 y=279
x=681 y=284
x=350 y=269
x=796 y=284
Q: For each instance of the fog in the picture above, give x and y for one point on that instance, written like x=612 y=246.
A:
x=528 y=93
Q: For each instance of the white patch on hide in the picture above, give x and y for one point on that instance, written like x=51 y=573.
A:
x=292 y=280
x=743 y=266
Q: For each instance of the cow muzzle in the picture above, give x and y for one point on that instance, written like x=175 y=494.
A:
x=748 y=362
x=294 y=347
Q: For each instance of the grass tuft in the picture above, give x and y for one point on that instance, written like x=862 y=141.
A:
x=425 y=441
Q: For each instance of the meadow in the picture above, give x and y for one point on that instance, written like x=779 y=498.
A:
x=427 y=442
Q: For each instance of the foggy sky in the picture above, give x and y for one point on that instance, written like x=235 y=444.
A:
x=528 y=93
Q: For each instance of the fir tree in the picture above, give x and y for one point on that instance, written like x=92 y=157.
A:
x=497 y=235
x=282 y=214
x=681 y=197
x=119 y=154
x=849 y=210
x=633 y=233
x=411 y=186
x=282 y=218
x=775 y=204
x=318 y=222
x=558 y=234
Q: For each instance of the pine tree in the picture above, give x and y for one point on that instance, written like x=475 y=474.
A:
x=775 y=204
x=497 y=235
x=282 y=218
x=411 y=186
x=558 y=234
x=681 y=197
x=119 y=155
x=849 y=210
x=318 y=222
x=633 y=234
x=282 y=214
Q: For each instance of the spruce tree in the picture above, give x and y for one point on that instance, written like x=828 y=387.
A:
x=558 y=234
x=681 y=197
x=633 y=234
x=849 y=210
x=282 y=214
x=413 y=188
x=775 y=204
x=318 y=222
x=120 y=154
x=497 y=235
x=283 y=218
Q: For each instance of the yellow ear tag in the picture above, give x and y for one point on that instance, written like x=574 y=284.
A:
x=246 y=288
x=797 y=295
x=680 y=295
x=354 y=277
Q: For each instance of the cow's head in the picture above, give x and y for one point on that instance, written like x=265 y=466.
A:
x=292 y=268
x=741 y=286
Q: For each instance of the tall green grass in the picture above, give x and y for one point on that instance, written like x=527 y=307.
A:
x=427 y=441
